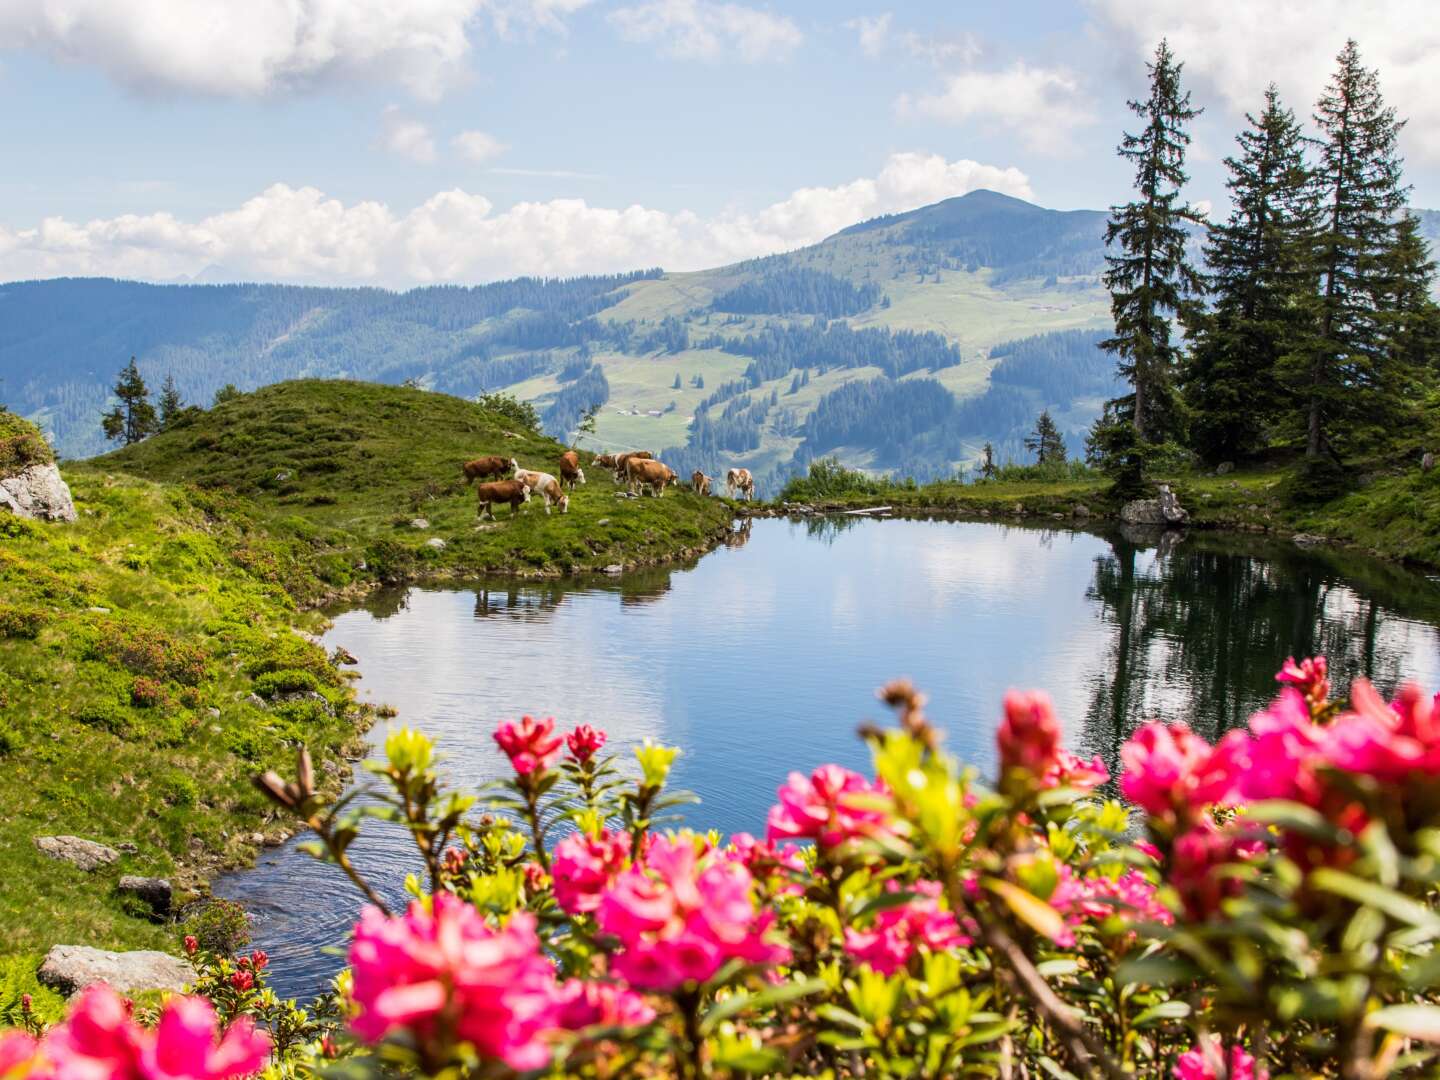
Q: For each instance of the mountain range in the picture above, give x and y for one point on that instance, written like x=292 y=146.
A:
x=901 y=344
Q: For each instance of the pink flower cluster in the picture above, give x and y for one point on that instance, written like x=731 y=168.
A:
x=1170 y=772
x=1209 y=1062
x=1029 y=744
x=776 y=870
x=442 y=973
x=530 y=744
x=581 y=1004
x=897 y=932
x=583 y=867
x=1130 y=897
x=830 y=808
x=585 y=742
x=99 y=1041
x=681 y=914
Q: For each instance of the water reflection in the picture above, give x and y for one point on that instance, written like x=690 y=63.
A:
x=763 y=657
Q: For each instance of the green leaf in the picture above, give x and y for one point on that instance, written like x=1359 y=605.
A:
x=1396 y=905
x=1413 y=1021
x=1027 y=907
x=1053 y=1068
x=773 y=995
x=1165 y=1010
x=1060 y=966
x=1157 y=969
x=1294 y=816
x=882 y=902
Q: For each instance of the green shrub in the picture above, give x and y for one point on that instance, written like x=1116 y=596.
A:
x=21 y=444
x=306 y=711
x=828 y=479
x=21 y=622
x=9 y=739
x=178 y=789
x=145 y=650
x=289 y=681
x=219 y=926
x=147 y=693
x=105 y=716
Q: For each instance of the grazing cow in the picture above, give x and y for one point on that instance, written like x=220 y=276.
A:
x=547 y=486
x=739 y=480
x=623 y=460
x=570 y=471
x=700 y=483
x=604 y=461
x=502 y=491
x=481 y=467
x=645 y=472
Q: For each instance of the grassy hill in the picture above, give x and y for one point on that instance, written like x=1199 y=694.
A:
x=150 y=662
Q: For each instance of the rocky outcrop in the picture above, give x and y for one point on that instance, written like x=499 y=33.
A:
x=1163 y=510
x=85 y=854
x=154 y=892
x=37 y=492
x=69 y=968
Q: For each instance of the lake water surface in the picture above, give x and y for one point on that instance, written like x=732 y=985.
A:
x=765 y=655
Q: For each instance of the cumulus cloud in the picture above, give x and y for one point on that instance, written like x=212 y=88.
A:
x=300 y=234
x=257 y=48
x=1041 y=106
x=873 y=32
x=876 y=36
x=1233 y=48
x=405 y=136
x=477 y=146
x=705 y=30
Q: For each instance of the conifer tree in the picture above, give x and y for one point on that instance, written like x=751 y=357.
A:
x=1046 y=442
x=1409 y=321
x=228 y=392
x=1149 y=276
x=134 y=417
x=987 y=463
x=676 y=384
x=1341 y=376
x=170 y=402
x=1259 y=275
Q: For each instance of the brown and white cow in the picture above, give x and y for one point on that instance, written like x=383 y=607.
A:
x=603 y=461
x=545 y=485
x=622 y=460
x=644 y=472
x=501 y=491
x=739 y=480
x=481 y=467
x=700 y=483
x=570 y=471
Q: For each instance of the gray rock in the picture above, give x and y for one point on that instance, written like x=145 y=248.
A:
x=1225 y=468
x=436 y=543
x=614 y=568
x=256 y=700
x=342 y=655
x=1427 y=462
x=603 y=521
x=1081 y=510
x=1307 y=539
x=419 y=523
x=99 y=610
x=154 y=891
x=38 y=492
x=1164 y=510
x=86 y=854
x=69 y=968
x=213 y=712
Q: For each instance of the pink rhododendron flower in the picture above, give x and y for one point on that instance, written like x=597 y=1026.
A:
x=825 y=808
x=1170 y=771
x=1029 y=736
x=680 y=915
x=99 y=1041
x=1283 y=748
x=776 y=868
x=1388 y=742
x=1131 y=897
x=445 y=970
x=1307 y=676
x=581 y=1004
x=898 y=932
x=1069 y=771
x=16 y=1049
x=531 y=745
x=585 y=742
x=583 y=865
x=1196 y=867
x=1204 y=1062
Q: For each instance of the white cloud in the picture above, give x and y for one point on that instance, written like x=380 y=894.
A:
x=873 y=32
x=876 y=37
x=1040 y=106
x=300 y=234
x=257 y=48
x=405 y=136
x=477 y=146
x=1233 y=48
x=705 y=30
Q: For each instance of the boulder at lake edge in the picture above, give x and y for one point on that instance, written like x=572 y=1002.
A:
x=1163 y=510
x=70 y=968
x=38 y=492
x=155 y=892
x=86 y=854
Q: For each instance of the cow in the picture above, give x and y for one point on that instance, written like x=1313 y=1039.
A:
x=700 y=483
x=739 y=480
x=545 y=485
x=622 y=460
x=645 y=472
x=570 y=471
x=501 y=491
x=604 y=461
x=481 y=467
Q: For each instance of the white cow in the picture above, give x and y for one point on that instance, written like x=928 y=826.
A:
x=741 y=480
x=546 y=485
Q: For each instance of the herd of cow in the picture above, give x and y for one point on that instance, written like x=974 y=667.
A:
x=638 y=470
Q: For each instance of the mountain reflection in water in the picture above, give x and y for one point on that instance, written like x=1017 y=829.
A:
x=764 y=656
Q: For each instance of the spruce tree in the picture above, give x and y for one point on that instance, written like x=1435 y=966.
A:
x=1046 y=442
x=1409 y=321
x=987 y=463
x=676 y=384
x=134 y=417
x=1259 y=274
x=1149 y=274
x=170 y=402
x=1341 y=376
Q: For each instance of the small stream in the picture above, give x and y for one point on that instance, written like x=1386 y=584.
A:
x=764 y=656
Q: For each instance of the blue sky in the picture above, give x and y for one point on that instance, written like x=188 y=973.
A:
x=466 y=140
